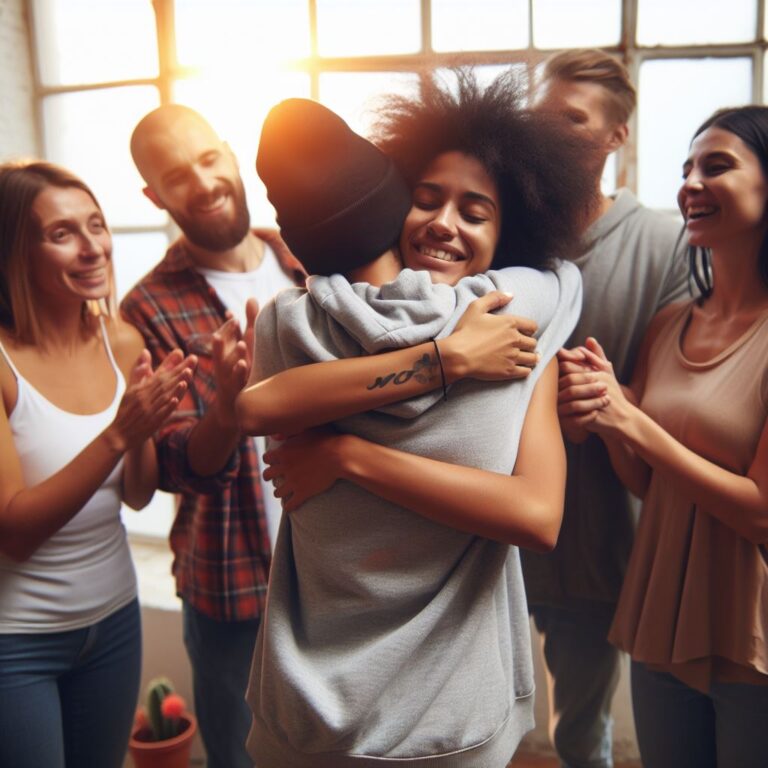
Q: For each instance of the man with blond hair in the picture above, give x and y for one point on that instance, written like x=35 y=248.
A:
x=631 y=269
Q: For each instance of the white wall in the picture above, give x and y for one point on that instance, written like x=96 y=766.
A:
x=17 y=120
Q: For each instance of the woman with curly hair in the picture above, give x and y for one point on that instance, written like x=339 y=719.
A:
x=396 y=625
x=543 y=196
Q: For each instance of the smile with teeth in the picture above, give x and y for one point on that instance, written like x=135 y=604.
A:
x=699 y=211
x=213 y=205
x=440 y=254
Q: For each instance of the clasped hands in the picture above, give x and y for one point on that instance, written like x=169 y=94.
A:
x=590 y=398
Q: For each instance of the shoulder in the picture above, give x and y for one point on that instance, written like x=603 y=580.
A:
x=662 y=319
x=629 y=217
x=664 y=226
x=163 y=300
x=7 y=376
x=125 y=341
x=545 y=289
x=655 y=225
x=284 y=302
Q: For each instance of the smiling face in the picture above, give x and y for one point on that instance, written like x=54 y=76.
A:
x=193 y=175
x=454 y=223
x=71 y=254
x=724 y=194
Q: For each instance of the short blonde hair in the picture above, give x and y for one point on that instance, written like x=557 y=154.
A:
x=595 y=66
x=20 y=183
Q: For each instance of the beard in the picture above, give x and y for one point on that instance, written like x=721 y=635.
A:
x=223 y=235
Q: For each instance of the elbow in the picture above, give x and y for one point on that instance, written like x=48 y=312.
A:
x=19 y=550
x=248 y=411
x=260 y=415
x=138 y=502
x=758 y=534
x=545 y=539
x=543 y=530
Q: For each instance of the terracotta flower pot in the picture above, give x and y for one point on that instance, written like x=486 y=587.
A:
x=168 y=753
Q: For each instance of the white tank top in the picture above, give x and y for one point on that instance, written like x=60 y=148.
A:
x=84 y=571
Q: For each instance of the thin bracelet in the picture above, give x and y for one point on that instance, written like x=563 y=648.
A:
x=442 y=372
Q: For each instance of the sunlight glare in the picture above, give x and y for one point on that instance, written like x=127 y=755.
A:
x=241 y=33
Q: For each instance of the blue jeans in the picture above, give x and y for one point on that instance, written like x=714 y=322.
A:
x=69 y=698
x=221 y=653
x=584 y=669
x=680 y=727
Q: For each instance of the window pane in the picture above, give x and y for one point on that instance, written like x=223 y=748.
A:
x=240 y=33
x=92 y=41
x=485 y=25
x=765 y=79
x=676 y=97
x=368 y=27
x=89 y=132
x=660 y=22
x=356 y=95
x=134 y=255
x=238 y=121
x=564 y=24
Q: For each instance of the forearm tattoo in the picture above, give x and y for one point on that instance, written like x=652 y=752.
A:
x=424 y=370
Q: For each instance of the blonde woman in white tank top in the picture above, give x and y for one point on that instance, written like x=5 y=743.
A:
x=80 y=405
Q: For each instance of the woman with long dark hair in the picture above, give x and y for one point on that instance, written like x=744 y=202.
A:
x=691 y=439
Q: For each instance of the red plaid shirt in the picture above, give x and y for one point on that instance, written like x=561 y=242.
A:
x=219 y=536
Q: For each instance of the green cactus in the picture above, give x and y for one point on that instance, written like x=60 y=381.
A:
x=162 y=727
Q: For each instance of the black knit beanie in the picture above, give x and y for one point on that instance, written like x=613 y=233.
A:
x=340 y=202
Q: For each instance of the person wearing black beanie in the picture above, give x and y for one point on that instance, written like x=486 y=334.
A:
x=340 y=202
x=396 y=625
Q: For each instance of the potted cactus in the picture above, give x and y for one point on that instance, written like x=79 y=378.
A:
x=163 y=730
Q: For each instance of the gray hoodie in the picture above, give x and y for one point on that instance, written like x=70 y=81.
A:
x=390 y=638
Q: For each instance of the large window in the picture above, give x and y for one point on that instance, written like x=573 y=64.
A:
x=102 y=64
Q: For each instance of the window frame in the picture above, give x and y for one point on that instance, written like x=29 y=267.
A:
x=170 y=71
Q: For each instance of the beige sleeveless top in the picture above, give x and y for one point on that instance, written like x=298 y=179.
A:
x=695 y=598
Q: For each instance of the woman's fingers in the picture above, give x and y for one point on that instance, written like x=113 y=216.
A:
x=581 y=407
x=527 y=359
x=488 y=303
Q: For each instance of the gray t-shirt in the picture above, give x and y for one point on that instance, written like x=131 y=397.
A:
x=388 y=636
x=630 y=271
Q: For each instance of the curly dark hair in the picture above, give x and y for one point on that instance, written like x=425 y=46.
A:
x=540 y=168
